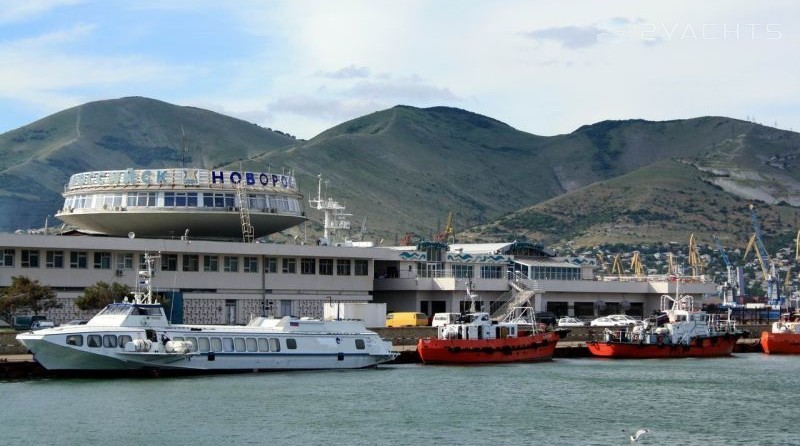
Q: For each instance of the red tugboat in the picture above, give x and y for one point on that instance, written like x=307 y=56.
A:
x=679 y=331
x=475 y=339
x=784 y=337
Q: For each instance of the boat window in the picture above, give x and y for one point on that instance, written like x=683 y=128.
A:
x=216 y=344
x=177 y=338
x=274 y=345
x=239 y=344
x=251 y=345
x=123 y=339
x=193 y=341
x=227 y=344
x=202 y=345
x=75 y=340
x=263 y=345
x=110 y=341
x=291 y=344
x=93 y=340
x=360 y=344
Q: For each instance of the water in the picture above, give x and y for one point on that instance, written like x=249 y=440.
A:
x=744 y=400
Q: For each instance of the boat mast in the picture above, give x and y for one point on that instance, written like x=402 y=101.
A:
x=145 y=279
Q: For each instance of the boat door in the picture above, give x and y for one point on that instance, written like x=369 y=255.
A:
x=230 y=312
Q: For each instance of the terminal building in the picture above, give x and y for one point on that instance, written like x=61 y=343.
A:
x=209 y=278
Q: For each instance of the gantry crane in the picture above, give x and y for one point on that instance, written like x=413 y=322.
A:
x=729 y=287
x=617 y=266
x=771 y=282
x=636 y=264
x=448 y=234
x=694 y=257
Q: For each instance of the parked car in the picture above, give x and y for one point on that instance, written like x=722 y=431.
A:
x=571 y=322
x=615 y=320
x=440 y=319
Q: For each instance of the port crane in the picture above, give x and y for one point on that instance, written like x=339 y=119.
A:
x=768 y=271
x=729 y=287
x=694 y=257
x=448 y=234
x=636 y=264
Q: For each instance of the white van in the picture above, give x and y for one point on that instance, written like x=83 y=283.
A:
x=440 y=319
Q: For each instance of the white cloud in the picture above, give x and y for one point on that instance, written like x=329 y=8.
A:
x=348 y=72
x=568 y=36
x=16 y=11
x=310 y=65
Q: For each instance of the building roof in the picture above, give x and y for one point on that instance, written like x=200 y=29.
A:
x=545 y=262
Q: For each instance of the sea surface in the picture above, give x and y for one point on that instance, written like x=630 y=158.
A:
x=748 y=399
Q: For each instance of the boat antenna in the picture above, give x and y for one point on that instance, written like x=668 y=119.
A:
x=470 y=295
x=145 y=278
x=185 y=147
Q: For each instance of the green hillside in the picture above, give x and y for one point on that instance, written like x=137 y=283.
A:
x=404 y=169
x=664 y=202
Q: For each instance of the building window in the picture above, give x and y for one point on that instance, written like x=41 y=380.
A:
x=343 y=267
x=7 y=258
x=230 y=264
x=141 y=199
x=210 y=264
x=461 y=271
x=326 y=267
x=491 y=272
x=169 y=262
x=78 y=259
x=308 y=266
x=362 y=267
x=289 y=266
x=29 y=258
x=102 y=260
x=54 y=259
x=271 y=265
x=250 y=264
x=218 y=200
x=180 y=199
x=191 y=262
x=125 y=260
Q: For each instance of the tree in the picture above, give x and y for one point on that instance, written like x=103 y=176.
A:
x=26 y=294
x=101 y=294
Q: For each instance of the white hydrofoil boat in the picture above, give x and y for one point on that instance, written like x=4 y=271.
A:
x=137 y=335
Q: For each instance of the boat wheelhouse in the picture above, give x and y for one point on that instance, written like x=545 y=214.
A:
x=170 y=202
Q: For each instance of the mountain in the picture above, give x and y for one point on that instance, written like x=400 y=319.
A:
x=38 y=159
x=404 y=169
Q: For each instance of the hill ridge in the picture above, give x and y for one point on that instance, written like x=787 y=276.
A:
x=405 y=168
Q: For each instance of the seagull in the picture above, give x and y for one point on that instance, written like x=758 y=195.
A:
x=635 y=437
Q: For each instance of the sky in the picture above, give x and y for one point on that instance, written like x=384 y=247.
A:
x=544 y=67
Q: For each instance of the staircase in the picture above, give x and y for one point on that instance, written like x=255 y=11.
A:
x=244 y=214
x=523 y=291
